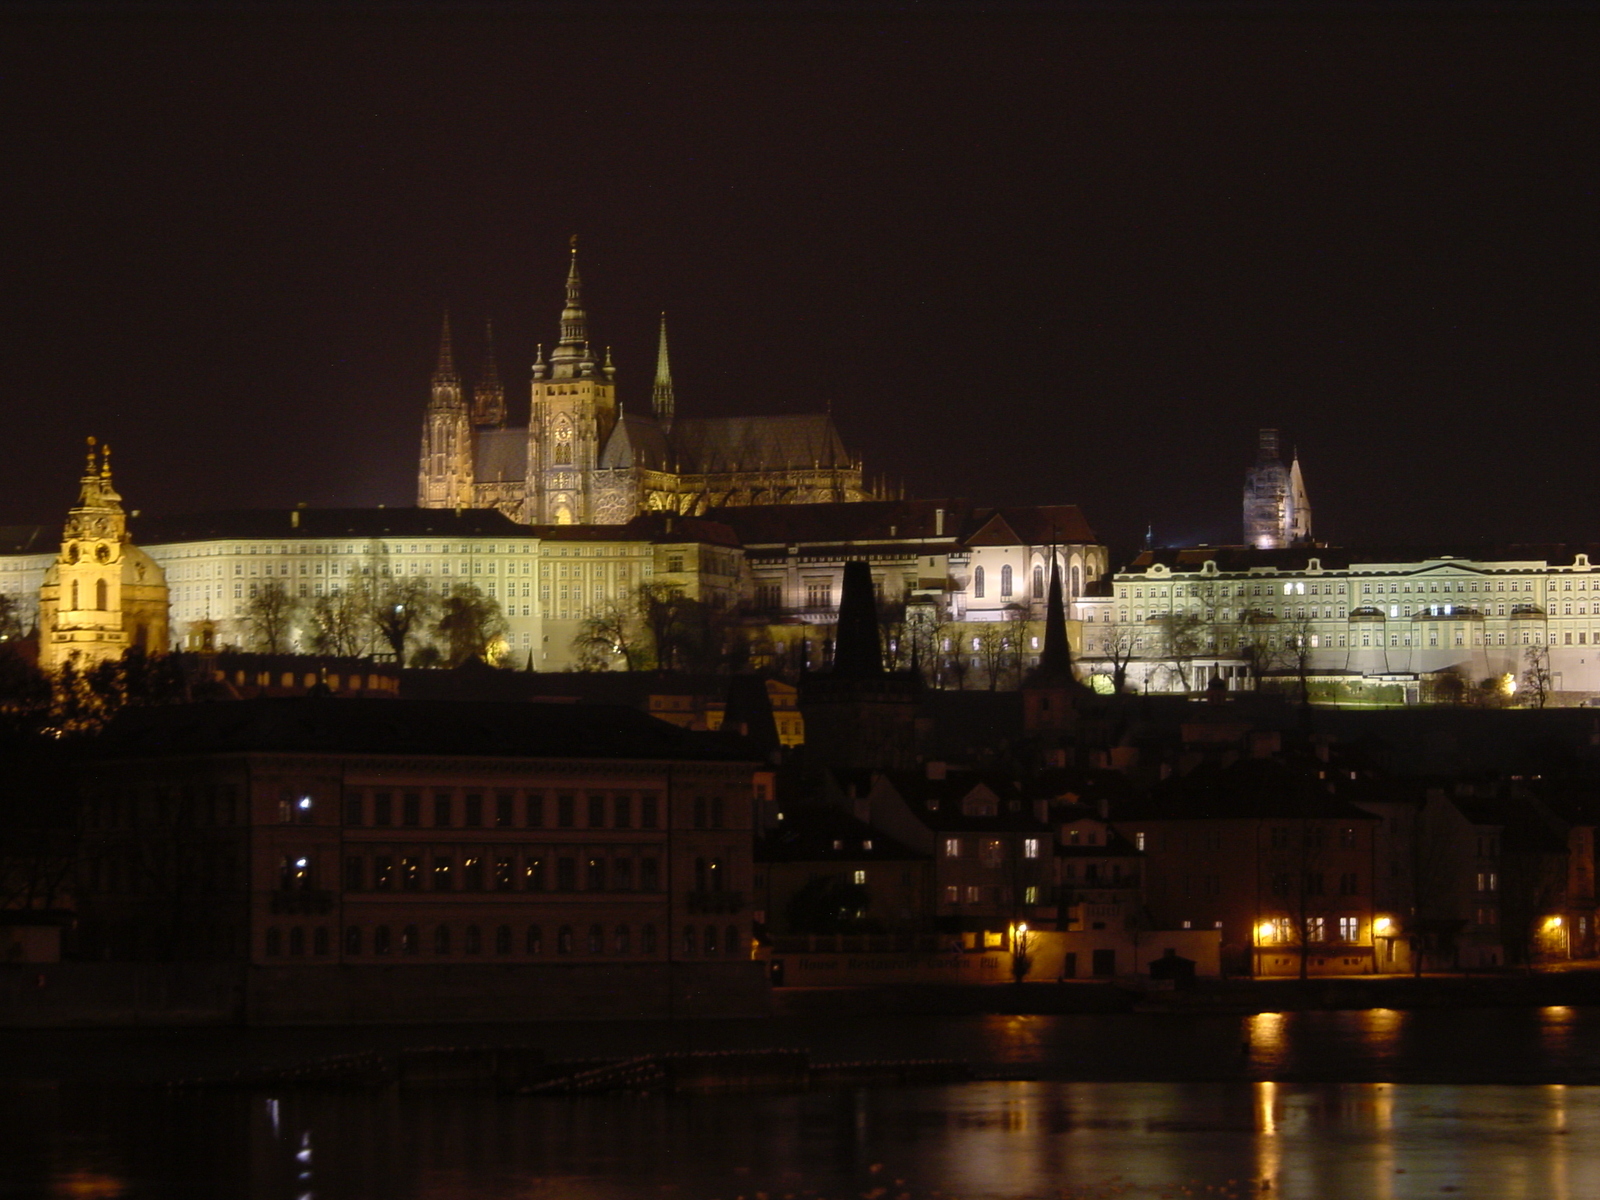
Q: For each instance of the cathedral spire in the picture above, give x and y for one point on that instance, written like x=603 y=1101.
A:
x=489 y=397
x=573 y=348
x=661 y=391
x=1055 y=660
x=446 y=370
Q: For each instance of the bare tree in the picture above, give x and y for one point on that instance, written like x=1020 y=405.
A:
x=402 y=607
x=1536 y=677
x=1019 y=626
x=341 y=623
x=469 y=624
x=993 y=650
x=612 y=631
x=10 y=619
x=271 y=613
x=1116 y=645
x=1181 y=636
x=1258 y=644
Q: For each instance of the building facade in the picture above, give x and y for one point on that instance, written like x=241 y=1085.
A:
x=582 y=459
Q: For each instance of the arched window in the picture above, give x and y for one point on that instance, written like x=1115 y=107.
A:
x=711 y=939
x=1075 y=588
x=564 y=940
x=977 y=582
x=74 y=603
x=100 y=595
x=441 y=940
x=730 y=940
x=380 y=940
x=1005 y=581
x=409 y=939
x=472 y=943
x=535 y=940
x=624 y=942
x=352 y=939
x=597 y=940
x=1038 y=583
x=502 y=940
x=688 y=939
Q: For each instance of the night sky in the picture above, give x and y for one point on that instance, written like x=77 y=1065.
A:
x=1029 y=255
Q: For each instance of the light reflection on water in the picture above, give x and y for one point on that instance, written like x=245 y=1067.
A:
x=982 y=1141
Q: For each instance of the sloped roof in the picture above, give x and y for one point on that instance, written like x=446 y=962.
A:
x=1339 y=558
x=410 y=727
x=1036 y=525
x=808 y=834
x=714 y=445
x=328 y=522
x=500 y=454
x=865 y=521
x=637 y=441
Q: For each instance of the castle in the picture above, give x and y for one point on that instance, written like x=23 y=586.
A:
x=582 y=460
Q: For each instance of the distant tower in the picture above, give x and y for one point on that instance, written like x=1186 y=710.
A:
x=661 y=391
x=489 y=398
x=444 y=478
x=1277 y=512
x=574 y=409
x=103 y=595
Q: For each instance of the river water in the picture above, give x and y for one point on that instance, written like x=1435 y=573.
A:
x=1490 y=1103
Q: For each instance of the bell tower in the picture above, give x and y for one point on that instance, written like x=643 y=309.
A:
x=103 y=595
x=574 y=410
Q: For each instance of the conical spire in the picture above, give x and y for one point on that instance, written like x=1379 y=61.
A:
x=446 y=370
x=661 y=391
x=489 y=397
x=1055 y=660
x=857 y=653
x=573 y=348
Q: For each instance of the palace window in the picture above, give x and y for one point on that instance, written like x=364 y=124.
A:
x=977 y=582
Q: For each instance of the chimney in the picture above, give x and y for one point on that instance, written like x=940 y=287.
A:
x=938 y=522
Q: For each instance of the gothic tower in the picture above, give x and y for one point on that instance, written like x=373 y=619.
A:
x=1277 y=512
x=573 y=412
x=489 y=398
x=103 y=595
x=661 y=391
x=444 y=479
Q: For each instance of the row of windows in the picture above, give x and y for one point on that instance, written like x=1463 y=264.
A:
x=973 y=894
x=991 y=851
x=511 y=809
x=1368 y=588
x=477 y=872
x=502 y=940
x=1282 y=930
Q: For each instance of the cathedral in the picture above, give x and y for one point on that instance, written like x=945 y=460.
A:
x=1277 y=511
x=582 y=460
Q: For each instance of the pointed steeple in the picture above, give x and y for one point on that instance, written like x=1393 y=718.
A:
x=1055 y=660
x=857 y=653
x=661 y=390
x=489 y=397
x=445 y=372
x=572 y=351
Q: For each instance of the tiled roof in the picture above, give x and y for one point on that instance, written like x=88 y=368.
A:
x=287 y=523
x=410 y=727
x=1038 y=525
x=714 y=445
x=499 y=455
x=637 y=441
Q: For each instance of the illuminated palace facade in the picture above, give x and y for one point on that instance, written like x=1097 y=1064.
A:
x=1369 y=618
x=581 y=459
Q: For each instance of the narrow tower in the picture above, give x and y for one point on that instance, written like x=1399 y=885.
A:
x=103 y=596
x=661 y=391
x=444 y=479
x=489 y=398
x=1266 y=497
x=573 y=411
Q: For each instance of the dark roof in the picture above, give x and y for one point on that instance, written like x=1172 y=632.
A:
x=1251 y=789
x=409 y=727
x=1012 y=814
x=1038 y=525
x=808 y=835
x=1339 y=558
x=716 y=445
x=500 y=454
x=863 y=521
x=289 y=523
x=637 y=441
